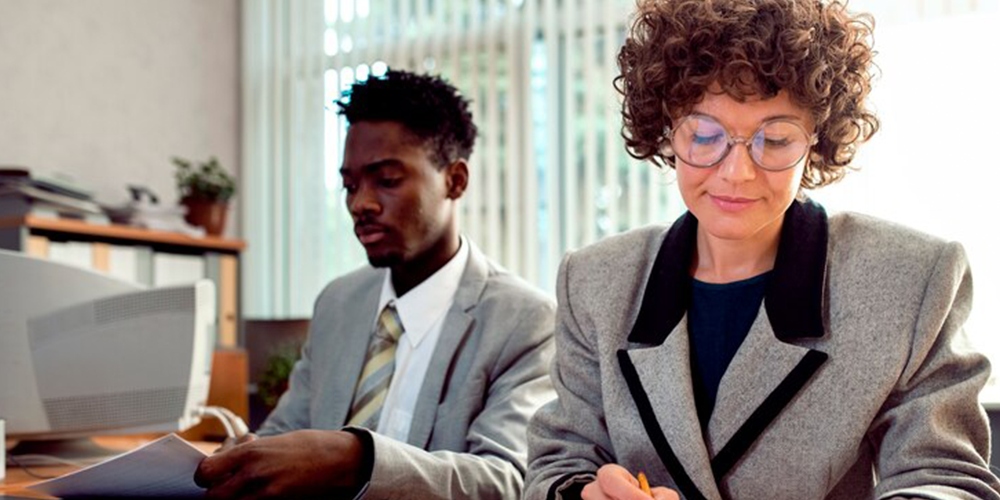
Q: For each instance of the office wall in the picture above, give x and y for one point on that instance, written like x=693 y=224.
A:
x=107 y=91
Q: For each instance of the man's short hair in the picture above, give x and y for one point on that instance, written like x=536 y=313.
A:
x=430 y=108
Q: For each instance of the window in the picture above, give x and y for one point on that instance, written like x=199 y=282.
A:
x=560 y=182
x=550 y=172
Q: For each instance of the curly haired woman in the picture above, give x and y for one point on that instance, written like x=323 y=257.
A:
x=759 y=348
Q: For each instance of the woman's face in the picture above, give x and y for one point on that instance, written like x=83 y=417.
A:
x=736 y=200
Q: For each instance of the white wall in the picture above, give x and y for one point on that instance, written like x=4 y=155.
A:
x=107 y=91
x=935 y=165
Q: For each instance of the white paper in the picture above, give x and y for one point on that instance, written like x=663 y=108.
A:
x=162 y=468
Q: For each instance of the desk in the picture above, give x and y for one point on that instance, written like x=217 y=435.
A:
x=17 y=479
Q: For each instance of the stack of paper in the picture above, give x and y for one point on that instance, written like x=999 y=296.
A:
x=22 y=194
x=163 y=468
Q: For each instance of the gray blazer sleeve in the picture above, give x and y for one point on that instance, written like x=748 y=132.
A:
x=932 y=436
x=568 y=438
x=492 y=467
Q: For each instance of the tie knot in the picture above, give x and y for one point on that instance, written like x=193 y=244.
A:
x=389 y=325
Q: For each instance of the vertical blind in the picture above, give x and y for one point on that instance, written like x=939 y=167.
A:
x=549 y=172
x=287 y=216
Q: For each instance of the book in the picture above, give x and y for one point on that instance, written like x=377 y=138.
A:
x=48 y=211
x=144 y=265
x=53 y=183
x=18 y=199
x=223 y=270
x=38 y=246
x=23 y=195
x=123 y=263
x=74 y=253
x=177 y=269
x=62 y=186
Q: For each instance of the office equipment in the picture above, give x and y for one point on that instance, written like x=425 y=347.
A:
x=161 y=469
x=83 y=354
x=35 y=236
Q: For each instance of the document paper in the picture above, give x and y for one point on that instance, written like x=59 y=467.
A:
x=161 y=468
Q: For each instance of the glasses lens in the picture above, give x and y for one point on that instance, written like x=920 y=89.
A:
x=779 y=145
x=700 y=141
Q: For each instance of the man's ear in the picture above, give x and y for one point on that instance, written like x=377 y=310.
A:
x=457 y=178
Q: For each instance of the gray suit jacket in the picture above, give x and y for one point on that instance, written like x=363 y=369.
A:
x=854 y=381
x=488 y=376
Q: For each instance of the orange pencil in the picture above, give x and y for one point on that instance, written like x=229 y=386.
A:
x=644 y=484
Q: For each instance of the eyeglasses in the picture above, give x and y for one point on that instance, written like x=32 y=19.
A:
x=701 y=141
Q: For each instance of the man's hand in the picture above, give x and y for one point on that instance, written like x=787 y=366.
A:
x=300 y=464
x=614 y=482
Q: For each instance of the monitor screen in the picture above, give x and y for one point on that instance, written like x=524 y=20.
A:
x=83 y=354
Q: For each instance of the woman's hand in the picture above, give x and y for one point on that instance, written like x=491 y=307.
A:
x=614 y=482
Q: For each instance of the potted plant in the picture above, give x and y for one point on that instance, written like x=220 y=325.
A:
x=205 y=189
x=273 y=380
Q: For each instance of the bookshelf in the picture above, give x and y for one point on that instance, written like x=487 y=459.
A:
x=113 y=249
x=33 y=224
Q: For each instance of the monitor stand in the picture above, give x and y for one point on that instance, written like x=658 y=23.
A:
x=78 y=451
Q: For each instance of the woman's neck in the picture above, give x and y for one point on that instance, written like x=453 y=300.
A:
x=719 y=260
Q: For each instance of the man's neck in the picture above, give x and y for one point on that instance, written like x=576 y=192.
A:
x=407 y=276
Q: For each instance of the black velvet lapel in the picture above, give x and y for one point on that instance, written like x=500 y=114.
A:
x=668 y=290
x=794 y=296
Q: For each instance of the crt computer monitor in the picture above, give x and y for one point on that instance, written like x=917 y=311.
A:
x=83 y=354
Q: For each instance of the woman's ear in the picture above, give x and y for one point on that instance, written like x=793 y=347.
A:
x=457 y=178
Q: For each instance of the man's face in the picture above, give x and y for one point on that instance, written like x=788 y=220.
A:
x=397 y=196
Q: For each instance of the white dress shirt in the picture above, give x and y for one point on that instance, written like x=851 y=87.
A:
x=421 y=311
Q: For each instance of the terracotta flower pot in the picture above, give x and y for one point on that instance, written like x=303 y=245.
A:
x=209 y=214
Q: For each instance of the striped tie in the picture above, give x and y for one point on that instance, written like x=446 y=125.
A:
x=380 y=360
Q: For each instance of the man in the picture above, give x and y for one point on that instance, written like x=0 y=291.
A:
x=465 y=345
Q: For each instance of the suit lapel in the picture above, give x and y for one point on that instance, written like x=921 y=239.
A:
x=763 y=377
x=356 y=344
x=659 y=379
x=767 y=371
x=749 y=400
x=457 y=325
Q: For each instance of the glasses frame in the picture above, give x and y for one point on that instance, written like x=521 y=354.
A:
x=732 y=140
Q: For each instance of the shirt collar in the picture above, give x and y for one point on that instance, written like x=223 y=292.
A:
x=421 y=307
x=794 y=295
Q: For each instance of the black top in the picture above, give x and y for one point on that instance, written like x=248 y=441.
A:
x=719 y=319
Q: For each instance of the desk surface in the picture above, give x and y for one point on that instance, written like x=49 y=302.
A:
x=17 y=478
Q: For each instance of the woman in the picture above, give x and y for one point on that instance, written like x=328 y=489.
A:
x=759 y=349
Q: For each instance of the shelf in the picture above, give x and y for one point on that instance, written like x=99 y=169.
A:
x=120 y=232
